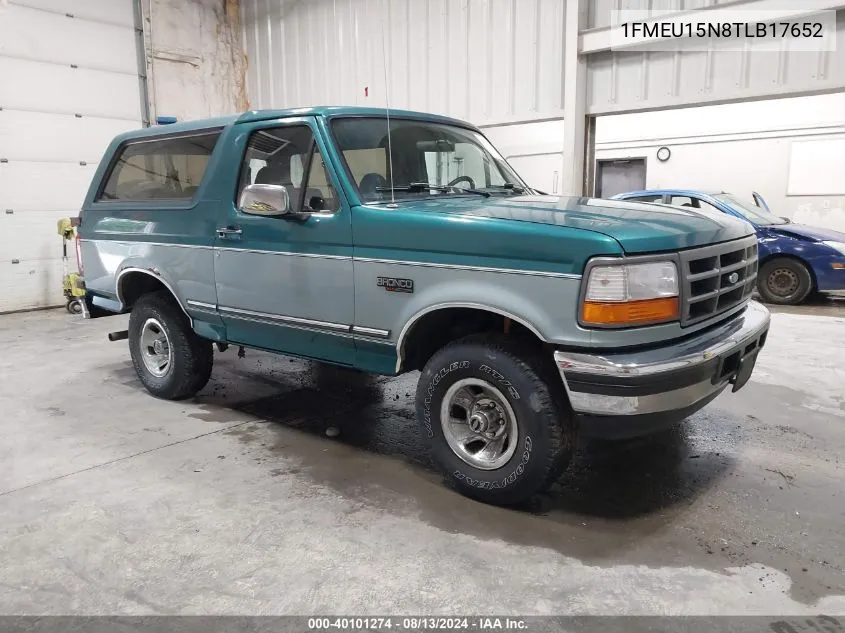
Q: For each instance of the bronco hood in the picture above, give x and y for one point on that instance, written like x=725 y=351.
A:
x=638 y=227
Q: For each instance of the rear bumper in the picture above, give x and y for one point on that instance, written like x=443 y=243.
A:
x=639 y=392
x=94 y=306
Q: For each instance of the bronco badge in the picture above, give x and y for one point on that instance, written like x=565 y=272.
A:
x=392 y=284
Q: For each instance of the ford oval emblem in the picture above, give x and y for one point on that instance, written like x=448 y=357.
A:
x=733 y=278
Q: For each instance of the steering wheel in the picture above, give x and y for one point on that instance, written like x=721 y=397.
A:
x=462 y=179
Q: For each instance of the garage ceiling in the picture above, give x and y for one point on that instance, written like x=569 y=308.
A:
x=76 y=85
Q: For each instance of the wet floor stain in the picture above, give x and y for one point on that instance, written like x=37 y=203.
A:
x=679 y=498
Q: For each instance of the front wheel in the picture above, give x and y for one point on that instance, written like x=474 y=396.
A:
x=497 y=425
x=784 y=281
x=170 y=359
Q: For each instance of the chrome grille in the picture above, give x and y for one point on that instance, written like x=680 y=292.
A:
x=717 y=278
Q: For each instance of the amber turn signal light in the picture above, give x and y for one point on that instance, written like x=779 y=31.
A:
x=630 y=312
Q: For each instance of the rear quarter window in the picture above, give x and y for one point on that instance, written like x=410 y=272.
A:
x=159 y=169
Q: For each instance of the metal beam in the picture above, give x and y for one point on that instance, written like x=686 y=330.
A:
x=574 y=102
x=602 y=39
x=520 y=119
x=692 y=101
x=143 y=22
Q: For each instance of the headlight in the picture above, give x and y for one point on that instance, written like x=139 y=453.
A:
x=631 y=294
x=837 y=246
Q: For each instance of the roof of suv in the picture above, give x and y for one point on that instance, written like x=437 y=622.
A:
x=264 y=115
x=674 y=192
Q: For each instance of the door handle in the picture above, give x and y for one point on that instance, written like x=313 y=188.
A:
x=228 y=231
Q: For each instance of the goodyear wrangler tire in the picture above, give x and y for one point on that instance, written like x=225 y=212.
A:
x=497 y=425
x=170 y=359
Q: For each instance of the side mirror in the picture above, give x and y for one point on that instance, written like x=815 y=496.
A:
x=265 y=200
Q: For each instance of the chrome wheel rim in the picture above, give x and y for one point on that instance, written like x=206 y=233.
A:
x=479 y=424
x=156 y=353
x=783 y=282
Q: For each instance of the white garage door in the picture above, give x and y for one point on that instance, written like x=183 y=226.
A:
x=68 y=84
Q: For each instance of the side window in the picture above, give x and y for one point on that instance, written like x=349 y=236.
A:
x=657 y=198
x=275 y=157
x=159 y=169
x=280 y=156
x=320 y=194
x=684 y=201
x=709 y=207
x=367 y=162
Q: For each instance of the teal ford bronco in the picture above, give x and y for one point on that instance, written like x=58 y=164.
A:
x=404 y=243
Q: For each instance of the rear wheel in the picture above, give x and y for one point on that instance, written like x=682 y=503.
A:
x=498 y=427
x=784 y=281
x=170 y=359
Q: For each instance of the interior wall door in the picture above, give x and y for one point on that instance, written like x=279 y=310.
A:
x=620 y=176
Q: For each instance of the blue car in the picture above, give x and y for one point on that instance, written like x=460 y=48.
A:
x=795 y=260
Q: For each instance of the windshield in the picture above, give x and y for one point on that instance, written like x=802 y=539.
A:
x=429 y=159
x=750 y=211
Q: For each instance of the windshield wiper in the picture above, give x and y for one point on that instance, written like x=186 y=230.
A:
x=414 y=187
x=418 y=187
x=508 y=186
x=477 y=192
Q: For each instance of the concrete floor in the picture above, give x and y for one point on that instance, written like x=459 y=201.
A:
x=237 y=503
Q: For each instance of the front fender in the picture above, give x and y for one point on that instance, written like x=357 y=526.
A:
x=543 y=304
x=815 y=255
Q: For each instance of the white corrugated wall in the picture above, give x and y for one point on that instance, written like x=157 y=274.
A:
x=501 y=60
x=482 y=60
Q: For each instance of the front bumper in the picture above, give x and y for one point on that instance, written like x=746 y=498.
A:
x=638 y=392
x=828 y=278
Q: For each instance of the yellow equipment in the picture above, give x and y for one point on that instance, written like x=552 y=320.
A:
x=72 y=287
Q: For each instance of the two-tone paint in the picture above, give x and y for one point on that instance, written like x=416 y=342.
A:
x=310 y=288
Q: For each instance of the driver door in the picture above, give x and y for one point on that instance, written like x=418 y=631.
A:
x=285 y=283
